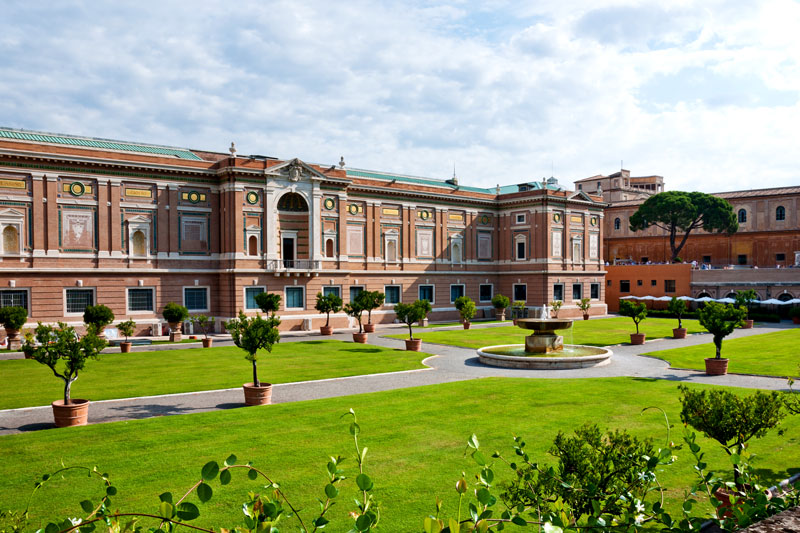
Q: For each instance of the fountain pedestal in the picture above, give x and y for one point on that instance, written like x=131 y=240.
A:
x=544 y=343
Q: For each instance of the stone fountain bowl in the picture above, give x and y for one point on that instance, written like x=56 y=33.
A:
x=544 y=324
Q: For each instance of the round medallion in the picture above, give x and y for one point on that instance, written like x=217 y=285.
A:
x=593 y=221
x=353 y=208
x=557 y=217
x=485 y=220
x=425 y=214
x=194 y=197
x=252 y=197
x=77 y=188
x=329 y=203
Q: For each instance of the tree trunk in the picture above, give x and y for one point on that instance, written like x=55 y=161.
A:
x=256 y=383
x=328 y=319
x=67 y=387
x=410 y=333
x=718 y=344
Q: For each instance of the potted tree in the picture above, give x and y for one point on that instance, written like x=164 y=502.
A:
x=328 y=303
x=466 y=308
x=175 y=314
x=252 y=334
x=584 y=306
x=371 y=300
x=205 y=324
x=13 y=317
x=97 y=317
x=517 y=310
x=355 y=309
x=408 y=314
x=794 y=313
x=677 y=308
x=500 y=304
x=637 y=312
x=745 y=299
x=48 y=345
x=126 y=328
x=555 y=307
x=427 y=308
x=720 y=320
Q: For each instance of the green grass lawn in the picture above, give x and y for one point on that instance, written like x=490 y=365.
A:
x=772 y=354
x=600 y=332
x=416 y=439
x=24 y=382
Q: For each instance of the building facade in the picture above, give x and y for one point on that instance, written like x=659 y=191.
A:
x=134 y=226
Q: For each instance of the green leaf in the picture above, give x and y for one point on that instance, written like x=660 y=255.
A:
x=455 y=527
x=225 y=477
x=204 y=492
x=210 y=470
x=363 y=522
x=111 y=490
x=52 y=528
x=518 y=520
x=88 y=528
x=479 y=458
x=331 y=491
x=252 y=474
x=87 y=506
x=432 y=525
x=188 y=511
x=364 y=482
x=165 y=497
x=166 y=510
x=355 y=429
x=231 y=460
x=483 y=495
x=320 y=522
x=472 y=442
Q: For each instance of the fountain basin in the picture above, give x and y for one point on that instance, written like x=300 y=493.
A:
x=572 y=356
x=544 y=325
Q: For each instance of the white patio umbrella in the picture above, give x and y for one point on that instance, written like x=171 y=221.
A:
x=726 y=300
x=663 y=299
x=705 y=299
x=628 y=297
x=772 y=301
x=793 y=301
x=648 y=297
x=686 y=298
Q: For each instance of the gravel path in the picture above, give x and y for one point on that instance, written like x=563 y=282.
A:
x=448 y=365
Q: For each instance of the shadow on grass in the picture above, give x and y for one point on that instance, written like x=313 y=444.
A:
x=773 y=477
x=151 y=410
x=362 y=350
x=32 y=427
x=312 y=342
x=229 y=405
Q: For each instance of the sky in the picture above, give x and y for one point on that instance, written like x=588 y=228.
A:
x=704 y=93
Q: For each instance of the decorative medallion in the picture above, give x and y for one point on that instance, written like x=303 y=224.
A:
x=76 y=188
x=252 y=197
x=353 y=209
x=593 y=221
x=557 y=217
x=193 y=197
x=424 y=214
x=484 y=220
x=329 y=204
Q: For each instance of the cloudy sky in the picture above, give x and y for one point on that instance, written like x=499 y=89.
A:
x=706 y=93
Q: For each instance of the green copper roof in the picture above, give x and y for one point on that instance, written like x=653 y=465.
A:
x=413 y=179
x=89 y=142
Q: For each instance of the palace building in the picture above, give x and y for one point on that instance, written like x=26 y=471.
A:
x=134 y=226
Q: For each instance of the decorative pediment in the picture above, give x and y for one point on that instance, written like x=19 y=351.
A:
x=138 y=219
x=11 y=213
x=580 y=195
x=296 y=170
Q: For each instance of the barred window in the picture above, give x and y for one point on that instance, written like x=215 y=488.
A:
x=195 y=298
x=140 y=300
x=79 y=299
x=194 y=229
x=16 y=298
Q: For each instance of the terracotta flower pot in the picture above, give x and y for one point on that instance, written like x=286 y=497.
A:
x=413 y=345
x=586 y=317
x=638 y=338
x=466 y=325
x=326 y=330
x=679 y=333
x=514 y=321
x=360 y=338
x=261 y=395
x=716 y=367
x=14 y=342
x=75 y=413
x=796 y=319
x=125 y=347
x=207 y=343
x=369 y=328
x=175 y=332
x=748 y=324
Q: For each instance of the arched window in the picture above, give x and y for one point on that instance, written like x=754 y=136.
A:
x=616 y=223
x=329 y=248
x=292 y=202
x=742 y=216
x=780 y=213
x=391 y=250
x=785 y=297
x=11 y=240
x=703 y=295
x=252 y=245
x=139 y=244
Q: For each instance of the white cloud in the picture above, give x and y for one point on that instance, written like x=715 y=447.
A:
x=704 y=93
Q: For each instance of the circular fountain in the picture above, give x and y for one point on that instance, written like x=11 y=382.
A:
x=544 y=349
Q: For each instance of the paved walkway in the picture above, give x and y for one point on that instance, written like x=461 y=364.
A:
x=448 y=365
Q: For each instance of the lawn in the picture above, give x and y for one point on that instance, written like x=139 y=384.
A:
x=600 y=332
x=416 y=439
x=771 y=354
x=25 y=383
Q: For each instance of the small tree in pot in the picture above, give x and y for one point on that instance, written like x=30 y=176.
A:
x=720 y=320
x=745 y=299
x=371 y=300
x=355 y=309
x=328 y=303
x=205 y=324
x=584 y=306
x=637 y=312
x=517 y=310
x=49 y=345
x=13 y=317
x=126 y=328
x=500 y=304
x=175 y=314
x=555 y=307
x=677 y=308
x=97 y=317
x=466 y=308
x=408 y=314
x=427 y=308
x=252 y=334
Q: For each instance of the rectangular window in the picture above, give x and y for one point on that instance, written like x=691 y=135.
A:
x=644 y=260
x=521 y=218
x=331 y=290
x=426 y=292
x=195 y=298
x=141 y=300
x=594 y=289
x=577 y=292
x=558 y=292
x=608 y=283
x=520 y=292
x=354 y=292
x=392 y=294
x=250 y=294
x=780 y=257
x=520 y=250
x=624 y=285
x=706 y=259
x=742 y=259
x=456 y=291
x=79 y=299
x=638 y=283
x=653 y=283
x=485 y=292
x=18 y=298
x=295 y=298
x=669 y=285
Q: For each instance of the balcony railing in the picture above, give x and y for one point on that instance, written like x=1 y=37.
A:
x=282 y=265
